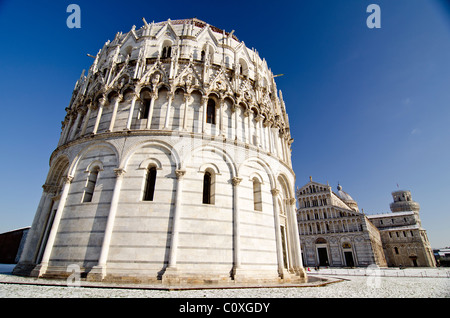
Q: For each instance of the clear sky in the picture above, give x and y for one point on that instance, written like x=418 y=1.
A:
x=368 y=108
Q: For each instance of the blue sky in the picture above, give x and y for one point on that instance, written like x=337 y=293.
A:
x=368 y=108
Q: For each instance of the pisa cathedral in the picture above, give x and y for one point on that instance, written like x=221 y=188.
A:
x=334 y=232
x=173 y=165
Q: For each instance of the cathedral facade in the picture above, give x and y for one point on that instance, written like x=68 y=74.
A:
x=333 y=231
x=173 y=165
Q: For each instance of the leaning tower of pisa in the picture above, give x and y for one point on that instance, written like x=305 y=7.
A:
x=173 y=165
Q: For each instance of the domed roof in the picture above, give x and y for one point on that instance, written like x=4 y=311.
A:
x=343 y=195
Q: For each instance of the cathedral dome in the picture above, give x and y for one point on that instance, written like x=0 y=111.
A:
x=344 y=196
x=173 y=165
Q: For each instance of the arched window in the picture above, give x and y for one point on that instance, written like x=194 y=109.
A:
x=396 y=250
x=211 y=112
x=145 y=108
x=150 y=182
x=166 y=52
x=90 y=184
x=208 y=187
x=257 y=197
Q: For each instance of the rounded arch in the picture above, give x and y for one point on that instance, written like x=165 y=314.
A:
x=93 y=164
x=230 y=98
x=284 y=183
x=255 y=111
x=130 y=152
x=59 y=169
x=213 y=148
x=215 y=97
x=150 y=162
x=127 y=51
x=264 y=165
x=198 y=90
x=255 y=175
x=99 y=95
x=111 y=94
x=128 y=89
x=91 y=147
x=320 y=240
x=243 y=104
x=145 y=92
x=165 y=49
x=243 y=67
x=211 y=167
x=163 y=85
x=180 y=88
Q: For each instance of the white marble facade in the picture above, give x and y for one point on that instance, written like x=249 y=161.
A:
x=173 y=165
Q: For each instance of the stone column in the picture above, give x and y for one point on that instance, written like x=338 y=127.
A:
x=221 y=115
x=75 y=126
x=271 y=148
x=102 y=103
x=258 y=129
x=171 y=268
x=31 y=247
x=236 y=120
x=86 y=120
x=101 y=267
x=67 y=130
x=42 y=268
x=119 y=98
x=247 y=130
x=204 y=105
x=150 y=111
x=236 y=227
x=63 y=132
x=249 y=123
x=276 y=216
x=130 y=114
x=297 y=259
x=169 y=103
x=186 y=102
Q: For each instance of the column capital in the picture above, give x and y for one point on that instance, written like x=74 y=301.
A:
x=205 y=99
x=136 y=97
x=186 y=97
x=49 y=188
x=180 y=173
x=275 y=192
x=154 y=94
x=103 y=101
x=235 y=181
x=82 y=110
x=119 y=98
x=119 y=172
x=90 y=106
x=259 y=117
x=67 y=179
x=291 y=201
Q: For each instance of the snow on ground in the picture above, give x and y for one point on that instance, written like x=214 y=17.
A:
x=357 y=283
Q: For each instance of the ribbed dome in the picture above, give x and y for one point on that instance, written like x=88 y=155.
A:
x=164 y=76
x=343 y=195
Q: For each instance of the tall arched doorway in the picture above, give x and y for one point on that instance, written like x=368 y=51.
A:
x=322 y=252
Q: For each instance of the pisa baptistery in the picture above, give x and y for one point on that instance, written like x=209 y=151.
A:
x=173 y=166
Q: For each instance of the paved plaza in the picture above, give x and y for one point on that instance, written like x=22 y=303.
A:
x=345 y=283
